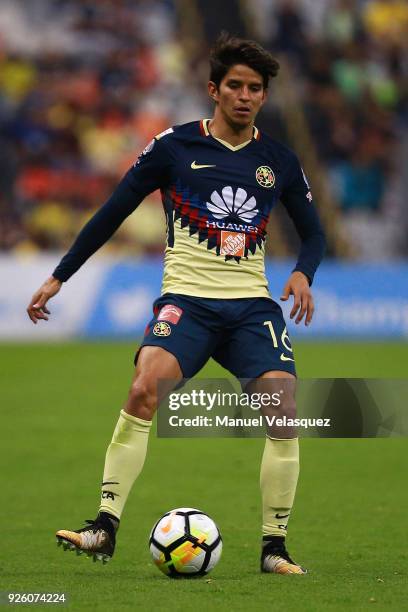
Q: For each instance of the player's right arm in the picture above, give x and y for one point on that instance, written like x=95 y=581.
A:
x=149 y=173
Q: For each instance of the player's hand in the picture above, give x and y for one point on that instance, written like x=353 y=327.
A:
x=298 y=286
x=37 y=308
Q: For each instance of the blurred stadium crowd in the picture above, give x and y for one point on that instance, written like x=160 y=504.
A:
x=85 y=84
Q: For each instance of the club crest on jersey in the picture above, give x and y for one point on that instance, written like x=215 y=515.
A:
x=162 y=329
x=235 y=206
x=265 y=176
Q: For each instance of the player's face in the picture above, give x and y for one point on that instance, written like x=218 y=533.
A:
x=239 y=96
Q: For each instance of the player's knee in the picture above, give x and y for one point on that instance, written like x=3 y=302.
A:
x=280 y=425
x=142 y=400
x=287 y=407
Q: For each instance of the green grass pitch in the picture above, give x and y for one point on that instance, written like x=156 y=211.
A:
x=59 y=404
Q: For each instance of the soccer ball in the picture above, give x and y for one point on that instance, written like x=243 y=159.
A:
x=185 y=542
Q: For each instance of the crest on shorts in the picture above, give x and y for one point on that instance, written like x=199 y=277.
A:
x=265 y=176
x=162 y=329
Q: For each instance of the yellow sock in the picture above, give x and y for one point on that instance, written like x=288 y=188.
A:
x=279 y=474
x=124 y=461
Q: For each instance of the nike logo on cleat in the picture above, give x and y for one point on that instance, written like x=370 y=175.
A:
x=284 y=358
x=195 y=166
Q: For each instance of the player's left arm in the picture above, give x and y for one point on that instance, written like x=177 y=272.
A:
x=297 y=199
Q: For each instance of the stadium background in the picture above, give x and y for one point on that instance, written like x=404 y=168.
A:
x=84 y=85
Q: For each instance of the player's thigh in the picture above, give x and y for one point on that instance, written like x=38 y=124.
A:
x=158 y=368
x=184 y=327
x=178 y=341
x=258 y=343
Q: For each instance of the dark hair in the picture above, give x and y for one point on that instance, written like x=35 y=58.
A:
x=228 y=51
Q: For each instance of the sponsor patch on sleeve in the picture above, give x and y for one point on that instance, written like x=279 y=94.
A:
x=145 y=151
x=170 y=313
x=305 y=179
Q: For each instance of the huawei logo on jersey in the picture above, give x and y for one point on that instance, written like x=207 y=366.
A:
x=235 y=206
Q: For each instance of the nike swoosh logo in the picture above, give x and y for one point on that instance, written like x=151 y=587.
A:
x=195 y=166
x=281 y=516
x=284 y=358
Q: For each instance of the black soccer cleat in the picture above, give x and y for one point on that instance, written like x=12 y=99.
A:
x=97 y=539
x=275 y=558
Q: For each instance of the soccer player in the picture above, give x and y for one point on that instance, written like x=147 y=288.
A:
x=219 y=179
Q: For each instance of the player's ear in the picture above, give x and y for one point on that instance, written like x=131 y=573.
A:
x=265 y=95
x=213 y=91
